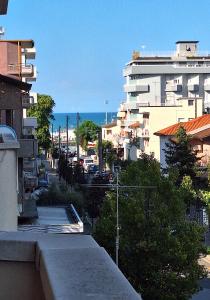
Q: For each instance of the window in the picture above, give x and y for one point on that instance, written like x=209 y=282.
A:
x=134 y=94
x=109 y=131
x=180 y=120
x=190 y=102
x=9 y=117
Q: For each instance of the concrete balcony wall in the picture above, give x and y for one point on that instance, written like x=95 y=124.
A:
x=29 y=53
x=131 y=105
x=58 y=267
x=165 y=69
x=207 y=87
x=27 y=69
x=174 y=88
x=30 y=122
x=193 y=87
x=32 y=76
x=28 y=148
x=136 y=88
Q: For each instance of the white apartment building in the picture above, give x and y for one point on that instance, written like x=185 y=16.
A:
x=163 y=89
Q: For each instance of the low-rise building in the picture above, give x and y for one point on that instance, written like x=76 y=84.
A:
x=143 y=121
x=199 y=131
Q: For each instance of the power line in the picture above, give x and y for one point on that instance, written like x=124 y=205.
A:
x=117 y=186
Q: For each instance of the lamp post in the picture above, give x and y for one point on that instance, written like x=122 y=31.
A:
x=106 y=102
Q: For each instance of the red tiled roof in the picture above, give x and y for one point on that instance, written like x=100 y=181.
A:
x=189 y=126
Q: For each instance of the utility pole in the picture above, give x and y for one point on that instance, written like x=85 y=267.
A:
x=117 y=186
x=52 y=136
x=100 y=156
x=67 y=137
x=118 y=229
x=59 y=140
x=106 y=102
x=77 y=137
x=52 y=142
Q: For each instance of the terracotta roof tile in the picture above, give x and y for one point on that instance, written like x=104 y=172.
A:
x=189 y=126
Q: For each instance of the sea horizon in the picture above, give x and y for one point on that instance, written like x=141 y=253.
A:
x=97 y=117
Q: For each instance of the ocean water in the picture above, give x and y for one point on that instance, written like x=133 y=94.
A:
x=98 y=118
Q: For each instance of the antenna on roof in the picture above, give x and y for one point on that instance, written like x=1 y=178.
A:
x=2 y=32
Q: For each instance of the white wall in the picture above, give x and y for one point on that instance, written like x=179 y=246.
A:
x=8 y=190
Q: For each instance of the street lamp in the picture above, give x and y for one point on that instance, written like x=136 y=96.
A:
x=106 y=102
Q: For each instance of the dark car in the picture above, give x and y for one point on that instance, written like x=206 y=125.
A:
x=42 y=183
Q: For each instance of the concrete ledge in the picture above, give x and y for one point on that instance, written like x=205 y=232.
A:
x=13 y=248
x=70 y=266
x=83 y=274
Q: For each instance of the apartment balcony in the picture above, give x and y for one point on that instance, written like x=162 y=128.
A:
x=30 y=53
x=174 y=88
x=121 y=114
x=28 y=147
x=131 y=105
x=193 y=87
x=34 y=95
x=123 y=107
x=207 y=87
x=30 y=122
x=136 y=88
x=127 y=123
x=23 y=69
x=32 y=76
x=145 y=133
x=27 y=101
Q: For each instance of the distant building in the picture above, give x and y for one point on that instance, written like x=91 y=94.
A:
x=162 y=89
x=111 y=132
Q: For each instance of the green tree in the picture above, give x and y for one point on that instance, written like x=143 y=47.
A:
x=43 y=111
x=159 y=248
x=94 y=197
x=179 y=155
x=88 y=132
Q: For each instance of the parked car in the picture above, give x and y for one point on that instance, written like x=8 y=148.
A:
x=43 y=183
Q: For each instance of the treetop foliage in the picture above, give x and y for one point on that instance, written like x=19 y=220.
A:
x=43 y=111
x=88 y=132
x=159 y=248
x=180 y=156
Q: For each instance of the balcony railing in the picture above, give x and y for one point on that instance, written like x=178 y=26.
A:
x=26 y=69
x=30 y=122
x=173 y=88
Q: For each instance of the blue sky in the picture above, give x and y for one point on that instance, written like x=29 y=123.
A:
x=83 y=45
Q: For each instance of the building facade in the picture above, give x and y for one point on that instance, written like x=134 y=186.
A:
x=161 y=90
